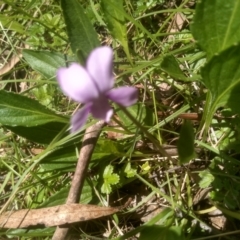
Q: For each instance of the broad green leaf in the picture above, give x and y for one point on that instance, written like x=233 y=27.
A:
x=81 y=33
x=64 y=159
x=185 y=143
x=18 y=110
x=216 y=25
x=41 y=134
x=221 y=75
x=116 y=22
x=44 y=62
x=171 y=66
x=157 y=232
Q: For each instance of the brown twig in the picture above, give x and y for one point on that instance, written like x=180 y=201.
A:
x=89 y=141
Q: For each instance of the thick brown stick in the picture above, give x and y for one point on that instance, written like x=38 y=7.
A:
x=89 y=141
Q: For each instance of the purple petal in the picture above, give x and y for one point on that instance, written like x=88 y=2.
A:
x=99 y=66
x=125 y=96
x=76 y=83
x=80 y=117
x=101 y=109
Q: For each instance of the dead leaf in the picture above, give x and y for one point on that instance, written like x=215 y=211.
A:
x=176 y=24
x=54 y=216
x=10 y=65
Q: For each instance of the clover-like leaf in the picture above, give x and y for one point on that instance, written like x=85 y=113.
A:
x=207 y=179
x=145 y=168
x=109 y=179
x=129 y=171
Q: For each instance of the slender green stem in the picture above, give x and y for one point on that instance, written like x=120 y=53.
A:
x=145 y=131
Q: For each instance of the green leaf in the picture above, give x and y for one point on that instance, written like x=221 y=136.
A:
x=41 y=134
x=10 y=24
x=109 y=176
x=116 y=22
x=44 y=62
x=186 y=143
x=171 y=66
x=145 y=168
x=221 y=75
x=105 y=151
x=129 y=171
x=156 y=232
x=109 y=179
x=63 y=159
x=206 y=179
x=106 y=188
x=216 y=25
x=81 y=33
x=18 y=110
x=31 y=233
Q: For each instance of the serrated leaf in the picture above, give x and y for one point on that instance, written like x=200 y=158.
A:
x=44 y=62
x=81 y=33
x=221 y=75
x=206 y=179
x=129 y=171
x=216 y=25
x=112 y=179
x=116 y=22
x=171 y=66
x=18 y=110
x=145 y=167
x=185 y=143
x=106 y=188
x=109 y=179
x=109 y=176
x=108 y=171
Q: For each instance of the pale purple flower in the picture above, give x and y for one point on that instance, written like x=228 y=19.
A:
x=92 y=85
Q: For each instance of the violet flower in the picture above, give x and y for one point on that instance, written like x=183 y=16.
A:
x=92 y=85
